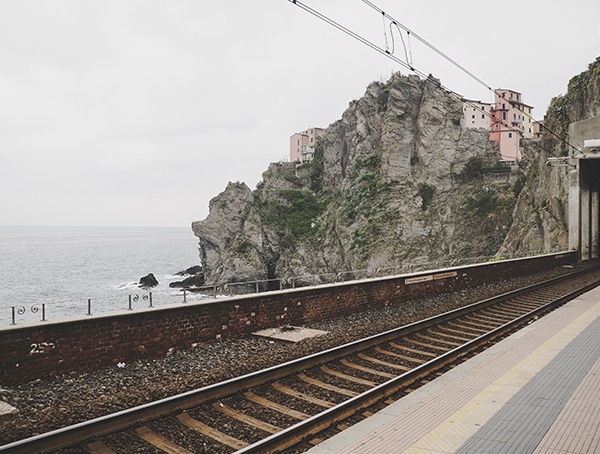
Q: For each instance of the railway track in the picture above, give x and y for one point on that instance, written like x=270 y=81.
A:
x=296 y=404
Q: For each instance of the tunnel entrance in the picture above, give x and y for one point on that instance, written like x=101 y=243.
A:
x=585 y=219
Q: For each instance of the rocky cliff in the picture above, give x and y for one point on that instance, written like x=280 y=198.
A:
x=540 y=219
x=395 y=180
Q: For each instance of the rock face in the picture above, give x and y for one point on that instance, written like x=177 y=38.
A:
x=395 y=180
x=540 y=219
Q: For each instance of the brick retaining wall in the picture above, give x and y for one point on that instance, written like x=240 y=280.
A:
x=50 y=348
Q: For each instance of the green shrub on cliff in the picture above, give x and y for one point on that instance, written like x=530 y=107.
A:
x=293 y=211
x=485 y=202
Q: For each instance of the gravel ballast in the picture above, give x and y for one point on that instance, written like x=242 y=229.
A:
x=62 y=401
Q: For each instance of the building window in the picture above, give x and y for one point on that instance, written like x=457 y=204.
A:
x=298 y=141
x=510 y=135
x=482 y=116
x=504 y=115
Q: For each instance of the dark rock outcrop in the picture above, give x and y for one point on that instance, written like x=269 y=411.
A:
x=148 y=281
x=190 y=271
x=197 y=280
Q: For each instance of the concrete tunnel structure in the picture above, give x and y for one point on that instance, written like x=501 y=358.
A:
x=584 y=188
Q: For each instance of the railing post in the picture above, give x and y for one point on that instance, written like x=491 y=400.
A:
x=13 y=316
x=150 y=296
x=130 y=308
x=184 y=296
x=257 y=289
x=89 y=306
x=43 y=312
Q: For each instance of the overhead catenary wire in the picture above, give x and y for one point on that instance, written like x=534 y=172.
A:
x=426 y=43
x=408 y=65
x=459 y=66
x=406 y=52
x=395 y=59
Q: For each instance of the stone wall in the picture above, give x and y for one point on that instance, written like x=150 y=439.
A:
x=46 y=349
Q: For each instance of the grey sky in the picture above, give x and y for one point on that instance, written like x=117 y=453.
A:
x=139 y=112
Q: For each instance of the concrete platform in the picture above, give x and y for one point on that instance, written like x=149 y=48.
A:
x=537 y=391
x=6 y=409
x=290 y=333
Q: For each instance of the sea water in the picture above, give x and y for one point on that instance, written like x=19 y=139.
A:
x=63 y=267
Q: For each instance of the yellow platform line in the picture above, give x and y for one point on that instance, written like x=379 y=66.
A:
x=449 y=435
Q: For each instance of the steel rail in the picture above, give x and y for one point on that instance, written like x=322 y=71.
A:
x=76 y=433
x=312 y=426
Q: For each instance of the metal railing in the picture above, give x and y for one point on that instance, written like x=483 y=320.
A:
x=37 y=307
x=291 y=282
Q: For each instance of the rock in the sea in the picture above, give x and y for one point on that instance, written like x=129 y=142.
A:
x=191 y=271
x=197 y=280
x=148 y=281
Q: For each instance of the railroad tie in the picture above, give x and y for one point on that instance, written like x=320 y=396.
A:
x=344 y=376
x=399 y=356
x=98 y=447
x=368 y=370
x=275 y=406
x=159 y=441
x=383 y=363
x=246 y=419
x=299 y=395
x=327 y=386
x=210 y=432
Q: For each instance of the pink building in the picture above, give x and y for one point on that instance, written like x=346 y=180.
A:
x=302 y=145
x=511 y=121
x=508 y=120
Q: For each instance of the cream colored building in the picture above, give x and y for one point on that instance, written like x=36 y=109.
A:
x=476 y=114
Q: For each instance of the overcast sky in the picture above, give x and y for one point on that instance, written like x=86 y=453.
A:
x=139 y=112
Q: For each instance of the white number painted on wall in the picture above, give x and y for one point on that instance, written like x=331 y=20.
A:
x=40 y=348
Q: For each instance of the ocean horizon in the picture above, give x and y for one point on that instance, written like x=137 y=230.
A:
x=64 y=266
